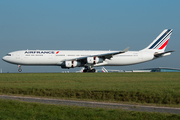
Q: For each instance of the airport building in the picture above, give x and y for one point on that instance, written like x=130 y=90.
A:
x=163 y=69
x=160 y=69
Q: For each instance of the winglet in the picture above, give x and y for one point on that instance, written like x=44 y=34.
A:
x=125 y=50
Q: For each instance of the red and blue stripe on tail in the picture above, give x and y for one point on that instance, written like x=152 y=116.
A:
x=160 y=43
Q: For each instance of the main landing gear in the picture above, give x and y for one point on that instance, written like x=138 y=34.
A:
x=19 y=66
x=89 y=69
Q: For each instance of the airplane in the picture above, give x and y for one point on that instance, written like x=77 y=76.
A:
x=89 y=59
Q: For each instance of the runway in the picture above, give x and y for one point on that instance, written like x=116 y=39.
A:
x=129 y=107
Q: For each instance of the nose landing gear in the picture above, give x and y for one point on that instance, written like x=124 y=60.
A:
x=19 y=66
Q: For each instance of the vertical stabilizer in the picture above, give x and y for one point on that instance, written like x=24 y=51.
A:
x=160 y=43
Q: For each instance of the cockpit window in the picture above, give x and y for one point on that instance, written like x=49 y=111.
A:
x=8 y=54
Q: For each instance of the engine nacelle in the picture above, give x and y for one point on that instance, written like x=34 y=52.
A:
x=70 y=64
x=94 y=60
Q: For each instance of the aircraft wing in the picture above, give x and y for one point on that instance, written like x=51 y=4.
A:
x=109 y=55
x=104 y=56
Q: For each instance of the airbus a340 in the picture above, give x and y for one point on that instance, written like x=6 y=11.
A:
x=90 y=59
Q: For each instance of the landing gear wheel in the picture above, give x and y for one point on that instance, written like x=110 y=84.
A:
x=89 y=70
x=20 y=70
x=84 y=71
x=93 y=70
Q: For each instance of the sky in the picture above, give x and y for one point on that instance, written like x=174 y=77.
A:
x=87 y=25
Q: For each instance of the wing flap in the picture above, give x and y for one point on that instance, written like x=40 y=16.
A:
x=109 y=55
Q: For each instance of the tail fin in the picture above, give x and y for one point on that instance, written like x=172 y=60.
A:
x=160 y=43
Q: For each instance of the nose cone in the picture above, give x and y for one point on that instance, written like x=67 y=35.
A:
x=4 y=58
x=7 y=59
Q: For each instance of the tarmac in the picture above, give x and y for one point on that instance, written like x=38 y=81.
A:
x=129 y=107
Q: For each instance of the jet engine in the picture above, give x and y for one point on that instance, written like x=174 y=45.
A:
x=94 y=60
x=70 y=64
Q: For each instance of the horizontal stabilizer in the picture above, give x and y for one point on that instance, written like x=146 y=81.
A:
x=163 y=54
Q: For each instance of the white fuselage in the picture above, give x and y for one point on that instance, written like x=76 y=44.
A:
x=56 y=57
x=88 y=59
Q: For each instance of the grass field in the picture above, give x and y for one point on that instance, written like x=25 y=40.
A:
x=21 y=110
x=158 y=88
